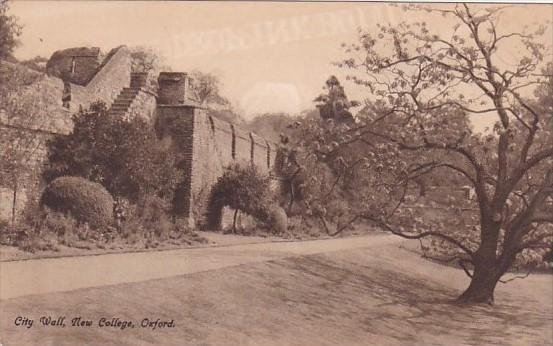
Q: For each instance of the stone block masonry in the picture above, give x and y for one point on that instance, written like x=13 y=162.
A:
x=217 y=147
x=51 y=101
x=208 y=146
x=112 y=76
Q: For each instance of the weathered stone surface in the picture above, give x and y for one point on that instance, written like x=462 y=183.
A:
x=6 y=202
x=174 y=88
x=74 y=65
x=206 y=144
x=143 y=106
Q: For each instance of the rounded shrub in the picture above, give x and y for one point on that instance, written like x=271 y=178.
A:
x=85 y=200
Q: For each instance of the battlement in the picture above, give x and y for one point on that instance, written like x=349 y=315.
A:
x=175 y=88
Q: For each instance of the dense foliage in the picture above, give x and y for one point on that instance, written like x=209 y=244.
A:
x=10 y=30
x=423 y=87
x=334 y=104
x=241 y=188
x=124 y=156
x=85 y=200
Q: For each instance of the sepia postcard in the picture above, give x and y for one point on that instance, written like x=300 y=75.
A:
x=220 y=173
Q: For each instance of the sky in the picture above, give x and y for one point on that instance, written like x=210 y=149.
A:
x=270 y=57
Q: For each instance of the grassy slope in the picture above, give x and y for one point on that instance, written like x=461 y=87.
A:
x=384 y=296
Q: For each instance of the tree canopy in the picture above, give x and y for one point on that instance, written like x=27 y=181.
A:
x=423 y=88
x=10 y=30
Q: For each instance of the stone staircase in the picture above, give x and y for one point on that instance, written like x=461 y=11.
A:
x=123 y=101
x=126 y=97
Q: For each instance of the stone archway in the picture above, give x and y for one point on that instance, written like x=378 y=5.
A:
x=214 y=214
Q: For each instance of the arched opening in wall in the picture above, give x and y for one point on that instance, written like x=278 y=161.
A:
x=233 y=143
x=252 y=147
x=214 y=215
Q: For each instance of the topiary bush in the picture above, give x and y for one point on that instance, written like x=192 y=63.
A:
x=241 y=187
x=85 y=200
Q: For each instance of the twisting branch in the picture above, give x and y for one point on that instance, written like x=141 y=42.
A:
x=419 y=235
x=517 y=277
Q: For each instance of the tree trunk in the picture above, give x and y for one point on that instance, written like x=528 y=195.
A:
x=480 y=290
x=14 y=204
x=234 y=221
x=486 y=275
x=487 y=268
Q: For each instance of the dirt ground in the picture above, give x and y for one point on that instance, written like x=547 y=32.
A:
x=372 y=296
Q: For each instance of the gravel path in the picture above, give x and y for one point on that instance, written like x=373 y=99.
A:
x=21 y=278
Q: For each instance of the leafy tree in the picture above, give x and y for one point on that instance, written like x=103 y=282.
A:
x=423 y=89
x=424 y=86
x=206 y=90
x=241 y=188
x=335 y=104
x=124 y=156
x=206 y=87
x=319 y=183
x=10 y=30
x=144 y=59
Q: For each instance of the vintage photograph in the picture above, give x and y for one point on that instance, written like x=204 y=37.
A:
x=220 y=173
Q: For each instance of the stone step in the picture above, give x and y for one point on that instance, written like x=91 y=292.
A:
x=119 y=109
x=128 y=93
x=123 y=101
x=119 y=102
x=126 y=96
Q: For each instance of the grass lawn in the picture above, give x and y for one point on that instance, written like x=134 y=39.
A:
x=374 y=296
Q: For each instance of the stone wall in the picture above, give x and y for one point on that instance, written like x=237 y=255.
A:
x=176 y=124
x=6 y=202
x=174 y=88
x=47 y=115
x=217 y=145
x=208 y=146
x=113 y=75
x=75 y=65
x=30 y=147
x=42 y=98
x=143 y=106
